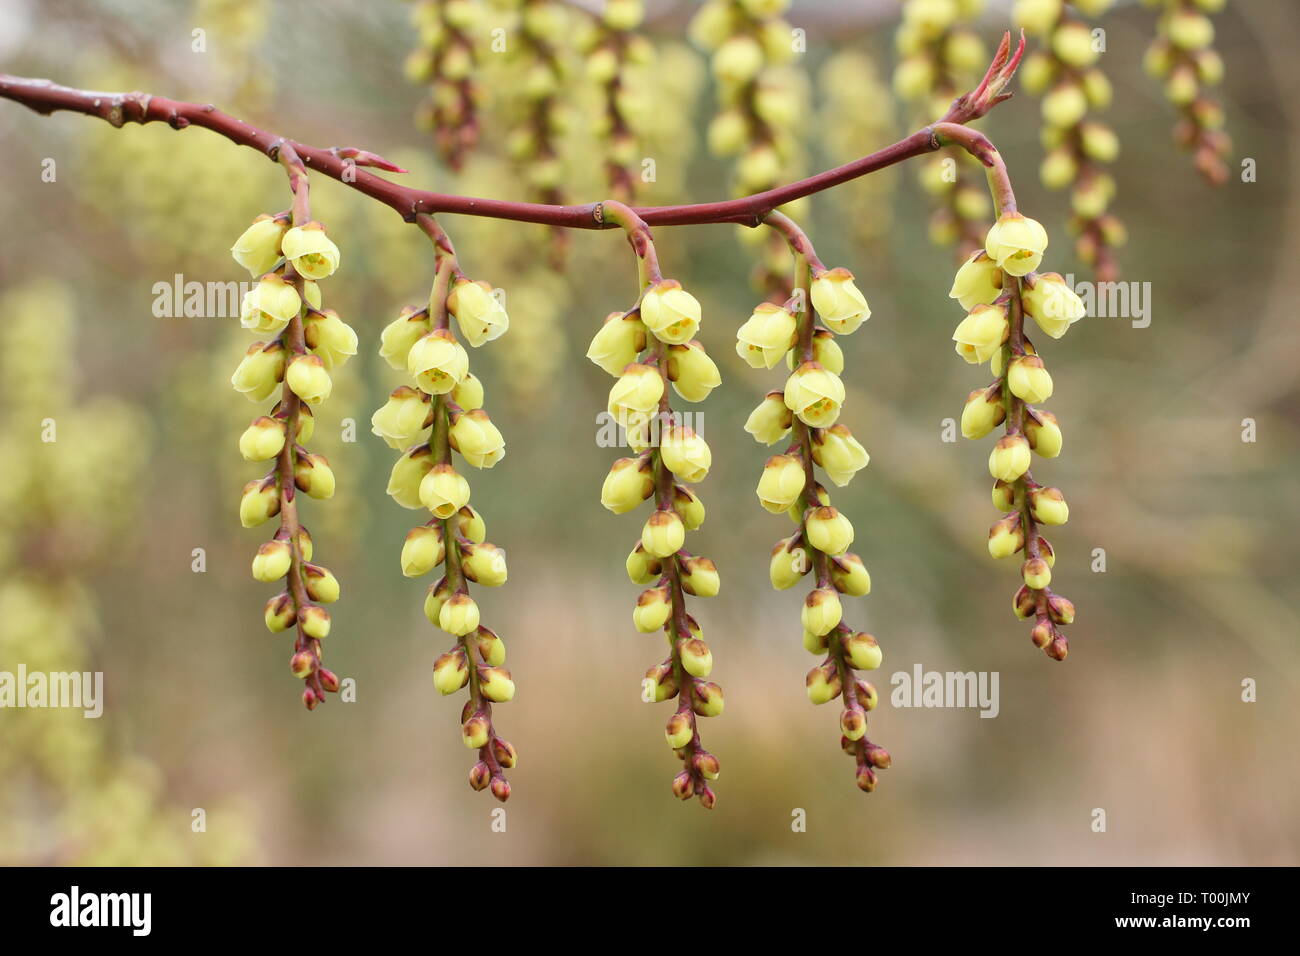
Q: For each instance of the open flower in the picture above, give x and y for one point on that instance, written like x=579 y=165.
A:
x=478 y=311
x=980 y=335
x=814 y=394
x=269 y=305
x=842 y=455
x=438 y=362
x=766 y=336
x=670 y=312
x=313 y=254
x=1052 y=304
x=1016 y=243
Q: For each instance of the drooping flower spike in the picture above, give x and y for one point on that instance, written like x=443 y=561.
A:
x=807 y=410
x=999 y=287
x=649 y=349
x=437 y=416
x=291 y=251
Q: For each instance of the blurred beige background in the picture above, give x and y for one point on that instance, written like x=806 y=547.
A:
x=1145 y=720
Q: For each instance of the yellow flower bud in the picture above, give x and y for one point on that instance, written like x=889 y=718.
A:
x=850 y=576
x=1009 y=458
x=693 y=374
x=863 y=651
x=401 y=334
x=766 y=336
x=978 y=282
x=1048 y=506
x=475 y=732
x=423 y=550
x=403 y=418
x=680 y=730
x=837 y=451
x=821 y=611
x=815 y=643
x=636 y=394
x=478 y=312
x=839 y=302
x=312 y=474
x=1059 y=168
x=653 y=607
x=1006 y=536
x=329 y=337
x=728 y=132
x=1016 y=243
x=1072 y=43
x=1036 y=573
x=260 y=371
x=663 y=534
x=641 y=568
x=630 y=481
x=469 y=524
x=269 y=305
x=477 y=439
x=315 y=621
x=450 y=672
x=697 y=659
x=620 y=340
x=781 y=484
x=408 y=474
x=1036 y=16
x=443 y=490
x=321 y=584
x=771 y=420
x=307 y=377
x=458 y=614
x=1189 y=30
x=280 y=614
x=484 y=564
x=490 y=647
x=259 y=502
x=1044 y=433
x=980 y=335
x=823 y=683
x=258 y=247
x=313 y=254
x=1004 y=496
x=468 y=394
x=983 y=412
x=826 y=352
x=1052 y=304
x=1028 y=379
x=262 y=440
x=688 y=506
x=815 y=394
x=434 y=598
x=496 y=685
x=789 y=563
x=700 y=578
x=685 y=453
x=272 y=561
x=708 y=699
x=828 y=531
x=438 y=362
x=737 y=60
x=670 y=312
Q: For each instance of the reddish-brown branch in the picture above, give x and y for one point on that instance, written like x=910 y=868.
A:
x=344 y=164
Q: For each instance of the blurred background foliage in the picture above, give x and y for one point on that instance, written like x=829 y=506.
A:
x=1144 y=720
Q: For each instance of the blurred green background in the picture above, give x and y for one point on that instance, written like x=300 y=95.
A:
x=1145 y=720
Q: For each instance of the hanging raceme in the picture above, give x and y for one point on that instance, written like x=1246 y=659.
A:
x=441 y=414
x=647 y=348
x=940 y=54
x=616 y=59
x=445 y=60
x=1065 y=73
x=807 y=410
x=1183 y=56
x=999 y=286
x=290 y=252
